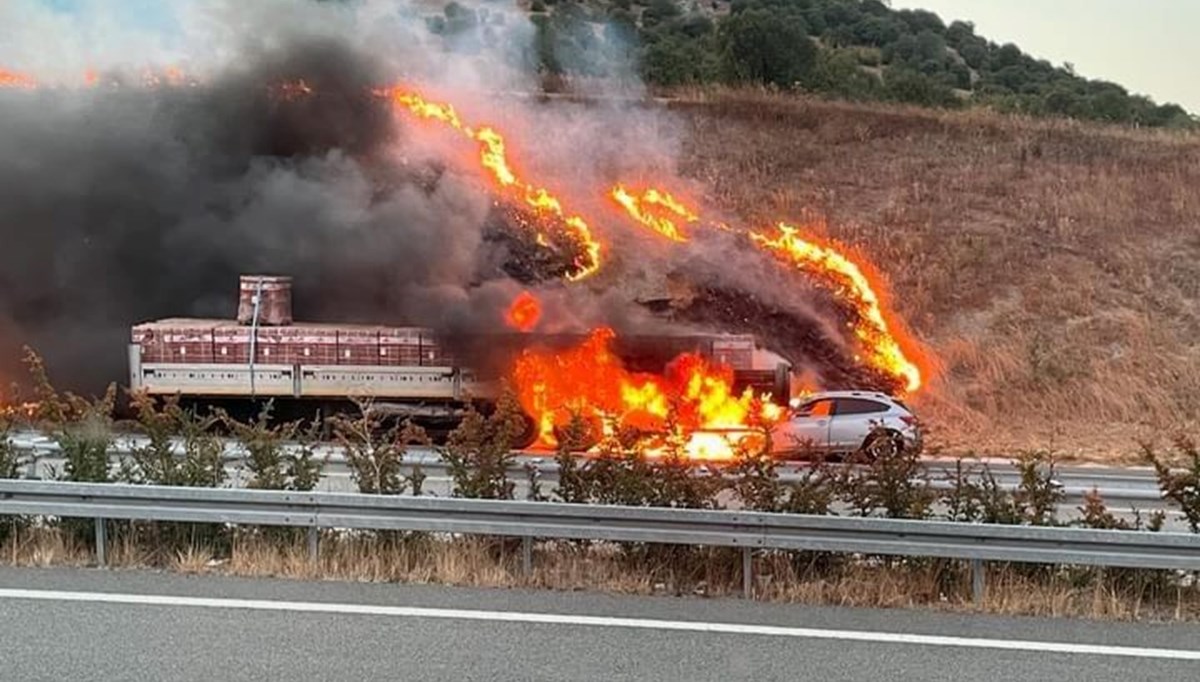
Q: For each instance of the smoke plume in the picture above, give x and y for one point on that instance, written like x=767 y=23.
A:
x=229 y=137
x=121 y=203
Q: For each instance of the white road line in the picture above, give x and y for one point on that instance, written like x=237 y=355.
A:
x=603 y=621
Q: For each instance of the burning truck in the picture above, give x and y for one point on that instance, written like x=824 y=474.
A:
x=417 y=373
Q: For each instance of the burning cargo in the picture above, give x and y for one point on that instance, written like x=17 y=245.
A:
x=406 y=371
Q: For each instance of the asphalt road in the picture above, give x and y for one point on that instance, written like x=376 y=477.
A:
x=66 y=625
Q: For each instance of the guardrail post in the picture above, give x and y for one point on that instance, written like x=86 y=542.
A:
x=313 y=548
x=978 y=581
x=526 y=556
x=101 y=543
x=747 y=573
x=32 y=472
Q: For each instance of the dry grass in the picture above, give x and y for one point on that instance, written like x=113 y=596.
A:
x=1010 y=590
x=1051 y=266
x=708 y=572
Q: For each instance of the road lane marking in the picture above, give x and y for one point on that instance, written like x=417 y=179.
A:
x=602 y=621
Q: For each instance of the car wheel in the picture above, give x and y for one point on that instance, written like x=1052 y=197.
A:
x=881 y=445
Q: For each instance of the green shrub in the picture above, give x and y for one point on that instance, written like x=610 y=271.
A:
x=82 y=428
x=10 y=457
x=1182 y=487
x=279 y=457
x=10 y=467
x=755 y=481
x=180 y=450
x=893 y=482
x=480 y=451
x=375 y=447
x=622 y=473
x=1094 y=513
x=1038 y=493
x=975 y=496
x=572 y=483
x=198 y=464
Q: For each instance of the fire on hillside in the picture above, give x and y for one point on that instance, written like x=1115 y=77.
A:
x=590 y=382
x=695 y=398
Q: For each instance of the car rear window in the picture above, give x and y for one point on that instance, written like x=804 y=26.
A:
x=858 y=406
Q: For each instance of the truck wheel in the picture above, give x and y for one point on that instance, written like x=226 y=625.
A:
x=528 y=436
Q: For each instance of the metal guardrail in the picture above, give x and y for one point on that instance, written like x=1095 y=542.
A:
x=530 y=520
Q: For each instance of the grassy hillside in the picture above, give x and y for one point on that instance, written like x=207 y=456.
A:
x=1053 y=266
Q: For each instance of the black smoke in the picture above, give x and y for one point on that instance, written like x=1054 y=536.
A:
x=124 y=203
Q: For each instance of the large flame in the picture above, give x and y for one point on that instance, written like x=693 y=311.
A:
x=494 y=158
x=877 y=336
x=693 y=400
x=880 y=344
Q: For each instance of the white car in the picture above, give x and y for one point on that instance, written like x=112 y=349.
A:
x=837 y=422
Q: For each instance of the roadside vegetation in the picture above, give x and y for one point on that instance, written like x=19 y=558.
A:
x=182 y=448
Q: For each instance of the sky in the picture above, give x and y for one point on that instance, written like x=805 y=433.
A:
x=1148 y=46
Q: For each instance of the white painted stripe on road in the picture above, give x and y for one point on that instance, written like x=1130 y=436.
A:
x=602 y=621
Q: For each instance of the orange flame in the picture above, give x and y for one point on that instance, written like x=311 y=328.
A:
x=695 y=394
x=552 y=386
x=494 y=158
x=524 y=313
x=12 y=79
x=877 y=336
x=639 y=206
x=882 y=348
x=149 y=77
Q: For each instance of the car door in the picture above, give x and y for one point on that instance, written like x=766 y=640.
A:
x=808 y=427
x=852 y=421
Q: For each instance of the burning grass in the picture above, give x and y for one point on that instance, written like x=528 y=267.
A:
x=493 y=157
x=803 y=578
x=1050 y=265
